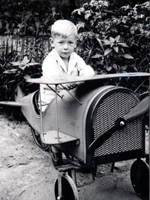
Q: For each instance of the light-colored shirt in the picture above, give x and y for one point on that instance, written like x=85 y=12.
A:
x=54 y=66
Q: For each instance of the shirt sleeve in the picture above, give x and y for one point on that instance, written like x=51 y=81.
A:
x=83 y=68
x=49 y=67
x=50 y=70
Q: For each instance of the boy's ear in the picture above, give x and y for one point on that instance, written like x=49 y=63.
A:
x=75 y=45
x=51 y=42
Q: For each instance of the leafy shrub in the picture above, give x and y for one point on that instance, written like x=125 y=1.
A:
x=107 y=29
x=27 y=17
x=16 y=73
x=114 y=39
x=34 y=17
x=16 y=64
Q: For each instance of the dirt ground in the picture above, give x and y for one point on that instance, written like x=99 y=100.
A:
x=26 y=172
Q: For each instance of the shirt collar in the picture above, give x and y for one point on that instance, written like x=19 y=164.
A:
x=71 y=64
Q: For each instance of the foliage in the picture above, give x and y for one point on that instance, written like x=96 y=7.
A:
x=114 y=39
x=16 y=73
x=27 y=17
x=35 y=48
x=33 y=17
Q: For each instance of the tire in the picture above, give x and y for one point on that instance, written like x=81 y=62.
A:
x=38 y=142
x=140 y=178
x=69 y=189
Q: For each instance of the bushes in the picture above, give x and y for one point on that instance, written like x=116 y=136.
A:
x=121 y=36
x=20 y=58
x=33 y=17
x=114 y=39
x=16 y=73
x=22 y=18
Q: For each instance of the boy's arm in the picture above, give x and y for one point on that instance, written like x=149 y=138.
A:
x=49 y=68
x=84 y=69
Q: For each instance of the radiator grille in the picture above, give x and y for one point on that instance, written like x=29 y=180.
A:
x=113 y=106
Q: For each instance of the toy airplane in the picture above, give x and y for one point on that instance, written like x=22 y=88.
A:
x=91 y=126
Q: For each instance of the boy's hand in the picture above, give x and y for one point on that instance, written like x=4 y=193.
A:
x=70 y=86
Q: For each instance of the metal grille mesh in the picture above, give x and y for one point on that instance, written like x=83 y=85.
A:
x=111 y=108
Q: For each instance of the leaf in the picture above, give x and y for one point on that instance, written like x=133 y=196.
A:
x=23 y=67
x=80 y=25
x=27 y=76
x=10 y=71
x=87 y=15
x=106 y=42
x=100 y=43
x=33 y=64
x=108 y=68
x=112 y=40
x=127 y=56
x=117 y=38
x=115 y=66
x=122 y=44
x=7 y=13
x=116 y=49
x=15 y=63
x=107 y=51
x=10 y=82
x=25 y=61
x=124 y=67
x=97 y=56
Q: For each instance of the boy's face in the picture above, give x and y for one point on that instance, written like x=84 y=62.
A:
x=64 y=45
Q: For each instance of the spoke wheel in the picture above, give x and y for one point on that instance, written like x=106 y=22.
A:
x=37 y=140
x=69 y=189
x=140 y=178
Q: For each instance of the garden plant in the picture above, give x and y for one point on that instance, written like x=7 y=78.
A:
x=115 y=38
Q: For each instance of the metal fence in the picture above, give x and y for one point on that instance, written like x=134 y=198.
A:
x=34 y=48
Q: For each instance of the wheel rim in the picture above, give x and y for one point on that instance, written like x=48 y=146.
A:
x=140 y=178
x=69 y=189
x=37 y=140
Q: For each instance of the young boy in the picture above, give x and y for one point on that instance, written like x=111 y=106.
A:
x=62 y=61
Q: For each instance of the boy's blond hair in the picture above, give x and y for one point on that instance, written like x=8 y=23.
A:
x=63 y=28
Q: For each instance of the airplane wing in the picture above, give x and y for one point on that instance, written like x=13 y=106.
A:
x=69 y=79
x=10 y=103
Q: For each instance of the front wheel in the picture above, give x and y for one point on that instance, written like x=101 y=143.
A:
x=37 y=140
x=140 y=178
x=67 y=187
